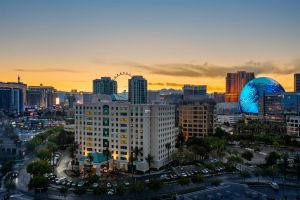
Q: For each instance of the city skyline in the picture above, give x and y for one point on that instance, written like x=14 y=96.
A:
x=170 y=43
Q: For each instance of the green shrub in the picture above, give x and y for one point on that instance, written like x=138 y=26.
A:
x=183 y=180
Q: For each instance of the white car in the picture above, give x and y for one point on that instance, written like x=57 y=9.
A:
x=95 y=185
x=110 y=192
x=126 y=183
x=274 y=185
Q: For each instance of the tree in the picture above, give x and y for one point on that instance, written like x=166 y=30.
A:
x=180 y=138
x=258 y=172
x=272 y=158
x=8 y=166
x=64 y=191
x=197 y=178
x=232 y=161
x=73 y=148
x=39 y=168
x=52 y=149
x=150 y=160
x=44 y=154
x=245 y=174
x=93 y=178
x=248 y=155
x=38 y=183
x=155 y=184
x=90 y=160
x=9 y=185
x=107 y=154
x=183 y=180
x=270 y=171
x=182 y=155
x=168 y=147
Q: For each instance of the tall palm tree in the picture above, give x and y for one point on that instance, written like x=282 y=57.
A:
x=73 y=148
x=107 y=154
x=131 y=160
x=150 y=160
x=168 y=147
x=90 y=160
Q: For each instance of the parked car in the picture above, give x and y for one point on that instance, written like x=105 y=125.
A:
x=74 y=184
x=81 y=184
x=95 y=185
x=110 y=192
x=126 y=183
x=15 y=174
x=274 y=185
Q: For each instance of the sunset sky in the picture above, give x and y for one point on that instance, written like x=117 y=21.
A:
x=68 y=43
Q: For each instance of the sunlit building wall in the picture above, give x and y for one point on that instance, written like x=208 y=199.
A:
x=235 y=83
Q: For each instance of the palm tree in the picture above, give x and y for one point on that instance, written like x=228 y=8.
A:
x=107 y=154
x=73 y=148
x=150 y=160
x=180 y=137
x=131 y=160
x=168 y=147
x=258 y=172
x=90 y=160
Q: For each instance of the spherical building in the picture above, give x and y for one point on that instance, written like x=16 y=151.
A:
x=248 y=102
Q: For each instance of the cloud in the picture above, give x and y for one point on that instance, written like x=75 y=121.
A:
x=48 y=70
x=174 y=84
x=156 y=84
x=212 y=71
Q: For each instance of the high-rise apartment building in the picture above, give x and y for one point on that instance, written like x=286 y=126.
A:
x=137 y=88
x=235 y=83
x=296 y=82
x=196 y=119
x=41 y=96
x=105 y=85
x=11 y=100
x=121 y=127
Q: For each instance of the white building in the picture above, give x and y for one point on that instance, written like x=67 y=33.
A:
x=293 y=125
x=120 y=127
x=231 y=119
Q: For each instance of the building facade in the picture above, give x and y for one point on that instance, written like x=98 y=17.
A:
x=120 y=127
x=293 y=125
x=41 y=96
x=235 y=83
x=11 y=100
x=192 y=90
x=296 y=82
x=16 y=85
x=196 y=119
x=275 y=107
x=137 y=88
x=105 y=85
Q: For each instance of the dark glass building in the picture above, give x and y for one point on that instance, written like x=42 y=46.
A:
x=137 y=87
x=105 y=85
x=296 y=82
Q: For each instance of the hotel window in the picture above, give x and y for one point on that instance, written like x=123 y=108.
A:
x=105 y=132
x=105 y=110
x=105 y=121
